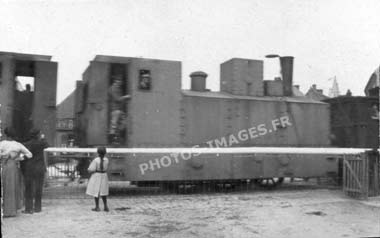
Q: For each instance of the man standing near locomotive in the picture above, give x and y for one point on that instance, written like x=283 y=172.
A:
x=117 y=102
x=34 y=172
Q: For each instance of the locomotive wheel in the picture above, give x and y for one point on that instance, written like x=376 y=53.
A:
x=268 y=182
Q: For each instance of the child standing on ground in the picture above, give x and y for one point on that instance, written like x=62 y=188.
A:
x=98 y=183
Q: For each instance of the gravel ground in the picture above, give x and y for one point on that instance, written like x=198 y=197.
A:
x=275 y=213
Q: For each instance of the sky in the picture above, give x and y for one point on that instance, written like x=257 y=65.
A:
x=328 y=38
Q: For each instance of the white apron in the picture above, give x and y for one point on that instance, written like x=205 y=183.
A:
x=98 y=183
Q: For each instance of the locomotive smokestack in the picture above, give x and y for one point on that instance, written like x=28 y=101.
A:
x=286 y=63
x=198 y=81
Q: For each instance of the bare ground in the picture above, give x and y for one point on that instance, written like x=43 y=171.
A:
x=276 y=213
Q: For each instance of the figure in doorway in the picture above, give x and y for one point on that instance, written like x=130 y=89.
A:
x=27 y=108
x=117 y=103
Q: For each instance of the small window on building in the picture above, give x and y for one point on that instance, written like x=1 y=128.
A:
x=145 y=80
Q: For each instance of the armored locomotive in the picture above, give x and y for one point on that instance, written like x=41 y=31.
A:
x=248 y=111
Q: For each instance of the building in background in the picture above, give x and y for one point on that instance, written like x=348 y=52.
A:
x=297 y=92
x=315 y=93
x=334 y=90
x=355 y=119
x=372 y=87
x=65 y=122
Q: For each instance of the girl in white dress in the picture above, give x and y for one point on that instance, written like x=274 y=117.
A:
x=98 y=183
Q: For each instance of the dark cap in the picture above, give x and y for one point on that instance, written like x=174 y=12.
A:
x=102 y=150
x=34 y=132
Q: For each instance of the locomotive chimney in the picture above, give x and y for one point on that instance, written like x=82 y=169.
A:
x=286 y=63
x=198 y=81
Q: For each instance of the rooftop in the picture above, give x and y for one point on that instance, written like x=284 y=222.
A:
x=121 y=59
x=21 y=56
x=316 y=94
x=224 y=95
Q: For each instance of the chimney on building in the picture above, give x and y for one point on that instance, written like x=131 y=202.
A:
x=198 y=81
x=286 y=63
x=297 y=86
x=314 y=86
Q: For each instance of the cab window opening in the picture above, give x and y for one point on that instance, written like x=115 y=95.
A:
x=24 y=87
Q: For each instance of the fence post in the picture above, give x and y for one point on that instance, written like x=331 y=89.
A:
x=365 y=174
x=377 y=175
x=373 y=172
x=344 y=179
x=46 y=169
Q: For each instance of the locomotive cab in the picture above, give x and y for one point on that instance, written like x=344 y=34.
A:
x=94 y=104
x=150 y=114
x=28 y=94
